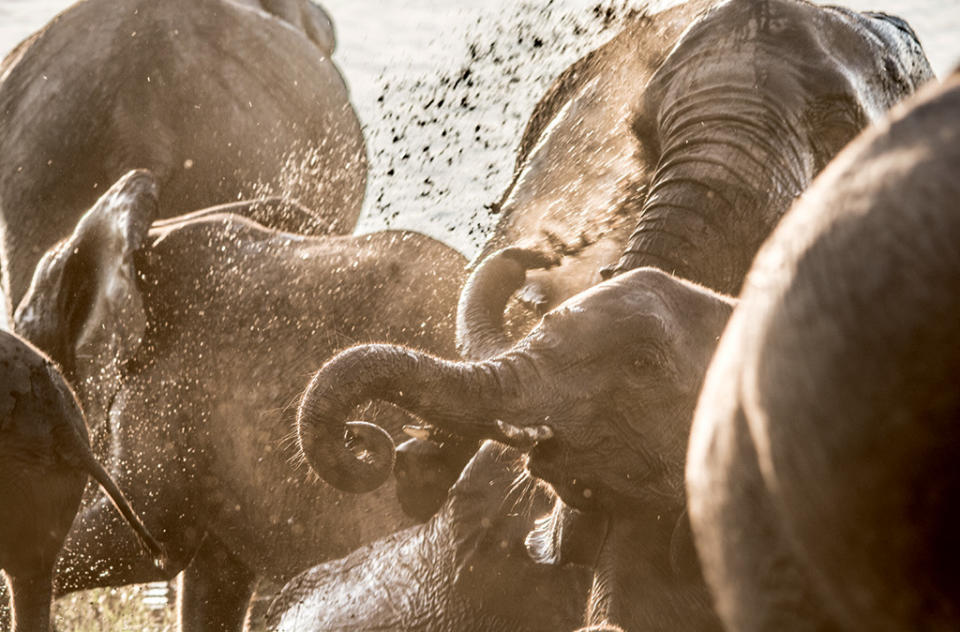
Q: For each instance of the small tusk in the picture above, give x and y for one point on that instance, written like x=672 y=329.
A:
x=528 y=433
x=542 y=432
x=417 y=432
x=512 y=432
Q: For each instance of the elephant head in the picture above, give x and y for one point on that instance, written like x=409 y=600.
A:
x=697 y=126
x=752 y=102
x=601 y=392
x=466 y=569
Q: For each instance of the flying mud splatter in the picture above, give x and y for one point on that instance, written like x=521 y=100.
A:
x=444 y=144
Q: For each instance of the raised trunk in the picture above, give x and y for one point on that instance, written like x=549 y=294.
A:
x=464 y=398
x=731 y=163
x=480 y=333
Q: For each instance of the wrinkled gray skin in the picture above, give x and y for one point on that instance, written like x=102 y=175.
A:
x=220 y=101
x=184 y=343
x=44 y=462
x=466 y=570
x=639 y=342
x=822 y=475
x=697 y=127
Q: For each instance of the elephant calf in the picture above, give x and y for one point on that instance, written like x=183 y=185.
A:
x=44 y=462
x=601 y=395
x=822 y=472
x=466 y=570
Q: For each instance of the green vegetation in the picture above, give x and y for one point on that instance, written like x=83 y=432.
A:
x=123 y=610
x=120 y=609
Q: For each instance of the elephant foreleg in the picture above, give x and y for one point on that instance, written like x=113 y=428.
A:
x=215 y=590
x=31 y=601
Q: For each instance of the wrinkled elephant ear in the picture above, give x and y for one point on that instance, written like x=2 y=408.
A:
x=83 y=301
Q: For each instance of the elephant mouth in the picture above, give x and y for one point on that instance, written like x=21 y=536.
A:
x=524 y=438
x=547 y=462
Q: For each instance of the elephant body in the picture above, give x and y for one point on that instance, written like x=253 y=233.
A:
x=821 y=473
x=220 y=101
x=44 y=462
x=465 y=570
x=697 y=126
x=188 y=344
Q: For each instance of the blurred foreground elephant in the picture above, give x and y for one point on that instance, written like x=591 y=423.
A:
x=188 y=344
x=466 y=570
x=697 y=126
x=822 y=472
x=220 y=101
x=44 y=462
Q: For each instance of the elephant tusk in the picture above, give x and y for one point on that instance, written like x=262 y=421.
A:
x=527 y=434
x=417 y=432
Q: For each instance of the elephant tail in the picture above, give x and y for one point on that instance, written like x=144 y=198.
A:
x=147 y=541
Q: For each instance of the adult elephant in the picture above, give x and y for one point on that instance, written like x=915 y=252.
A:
x=183 y=342
x=466 y=570
x=696 y=126
x=220 y=101
x=821 y=473
x=44 y=462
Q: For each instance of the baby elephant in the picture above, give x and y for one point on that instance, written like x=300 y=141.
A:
x=44 y=461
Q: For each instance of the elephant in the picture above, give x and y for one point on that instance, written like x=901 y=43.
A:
x=45 y=459
x=821 y=468
x=183 y=341
x=304 y=15
x=600 y=395
x=466 y=570
x=220 y=101
x=697 y=127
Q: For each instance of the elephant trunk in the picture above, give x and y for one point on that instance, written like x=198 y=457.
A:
x=731 y=163
x=462 y=398
x=480 y=332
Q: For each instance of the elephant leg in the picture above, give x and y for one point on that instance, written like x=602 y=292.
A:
x=32 y=594
x=102 y=551
x=633 y=578
x=215 y=590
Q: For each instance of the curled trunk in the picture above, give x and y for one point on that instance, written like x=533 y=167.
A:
x=480 y=330
x=464 y=398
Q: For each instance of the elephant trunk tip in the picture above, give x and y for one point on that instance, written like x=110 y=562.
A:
x=355 y=456
x=480 y=326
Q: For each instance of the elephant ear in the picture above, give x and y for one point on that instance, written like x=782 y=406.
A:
x=566 y=536
x=684 y=561
x=83 y=306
